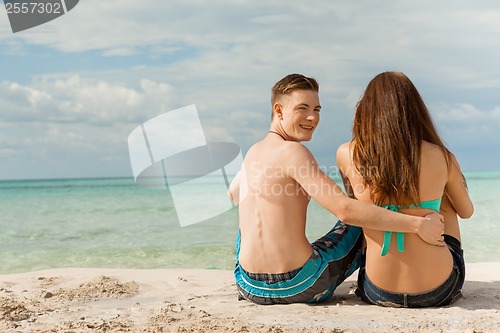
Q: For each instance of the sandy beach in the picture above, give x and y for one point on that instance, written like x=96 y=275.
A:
x=192 y=300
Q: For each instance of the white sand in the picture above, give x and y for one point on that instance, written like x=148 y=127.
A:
x=180 y=300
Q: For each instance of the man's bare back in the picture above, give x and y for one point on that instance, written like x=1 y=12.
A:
x=274 y=209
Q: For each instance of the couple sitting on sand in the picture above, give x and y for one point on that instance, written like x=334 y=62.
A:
x=406 y=183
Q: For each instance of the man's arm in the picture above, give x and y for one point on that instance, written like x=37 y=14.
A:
x=305 y=170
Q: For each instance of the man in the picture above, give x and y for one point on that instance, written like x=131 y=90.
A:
x=275 y=261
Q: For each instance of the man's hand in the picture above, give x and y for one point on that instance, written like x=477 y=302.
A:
x=432 y=228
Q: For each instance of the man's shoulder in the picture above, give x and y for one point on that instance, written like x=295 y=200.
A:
x=285 y=146
x=284 y=153
x=294 y=145
x=295 y=149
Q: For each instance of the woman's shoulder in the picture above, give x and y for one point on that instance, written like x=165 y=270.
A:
x=345 y=148
x=346 y=145
x=344 y=153
x=432 y=150
x=434 y=160
x=429 y=146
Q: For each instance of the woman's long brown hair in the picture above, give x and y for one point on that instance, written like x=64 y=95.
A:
x=390 y=123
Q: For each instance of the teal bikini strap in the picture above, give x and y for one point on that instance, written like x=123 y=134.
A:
x=430 y=204
x=387 y=243
x=400 y=237
x=400 y=240
x=434 y=205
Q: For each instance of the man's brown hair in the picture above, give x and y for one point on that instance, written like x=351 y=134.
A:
x=290 y=83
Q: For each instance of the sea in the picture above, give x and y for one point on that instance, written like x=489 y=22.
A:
x=113 y=223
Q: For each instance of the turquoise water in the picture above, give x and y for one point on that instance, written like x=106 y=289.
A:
x=113 y=223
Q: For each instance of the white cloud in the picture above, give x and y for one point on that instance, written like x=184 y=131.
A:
x=224 y=56
x=496 y=113
x=438 y=42
x=467 y=127
x=467 y=114
x=120 y=52
x=74 y=99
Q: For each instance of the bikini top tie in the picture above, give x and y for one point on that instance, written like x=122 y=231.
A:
x=400 y=236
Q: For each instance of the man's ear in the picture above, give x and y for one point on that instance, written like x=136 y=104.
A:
x=278 y=110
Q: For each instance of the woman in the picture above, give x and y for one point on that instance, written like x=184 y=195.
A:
x=397 y=160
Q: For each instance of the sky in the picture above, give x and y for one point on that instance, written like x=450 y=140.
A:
x=73 y=89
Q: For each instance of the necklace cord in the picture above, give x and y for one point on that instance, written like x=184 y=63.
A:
x=278 y=134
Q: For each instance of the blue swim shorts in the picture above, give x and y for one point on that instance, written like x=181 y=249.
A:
x=335 y=257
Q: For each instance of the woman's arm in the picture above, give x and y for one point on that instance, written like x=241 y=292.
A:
x=347 y=185
x=456 y=188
